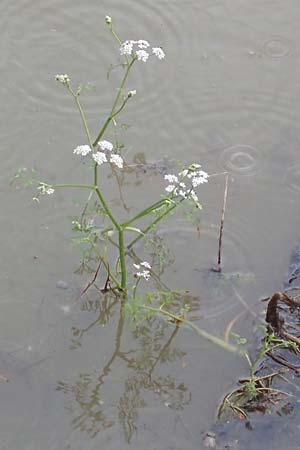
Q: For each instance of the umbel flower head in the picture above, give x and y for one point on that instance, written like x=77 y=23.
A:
x=138 y=49
x=63 y=79
x=184 y=183
x=105 y=154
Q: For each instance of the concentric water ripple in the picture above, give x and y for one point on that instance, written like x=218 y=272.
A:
x=195 y=256
x=276 y=47
x=241 y=159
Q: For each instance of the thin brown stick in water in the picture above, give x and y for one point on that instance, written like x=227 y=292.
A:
x=219 y=267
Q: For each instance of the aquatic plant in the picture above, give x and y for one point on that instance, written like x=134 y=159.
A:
x=98 y=230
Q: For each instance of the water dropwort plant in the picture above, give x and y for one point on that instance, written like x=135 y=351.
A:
x=180 y=187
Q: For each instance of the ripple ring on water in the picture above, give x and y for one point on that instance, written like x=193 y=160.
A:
x=241 y=159
x=276 y=47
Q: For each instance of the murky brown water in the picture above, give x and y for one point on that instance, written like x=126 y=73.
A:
x=227 y=96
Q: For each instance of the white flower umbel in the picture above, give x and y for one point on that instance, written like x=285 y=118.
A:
x=142 y=55
x=63 y=79
x=170 y=188
x=117 y=160
x=192 y=176
x=171 y=178
x=126 y=48
x=158 y=51
x=45 y=189
x=105 y=145
x=142 y=44
x=99 y=158
x=82 y=150
x=137 y=49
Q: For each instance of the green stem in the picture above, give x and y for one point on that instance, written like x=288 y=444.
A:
x=107 y=210
x=82 y=186
x=146 y=211
x=112 y=112
x=148 y=228
x=82 y=115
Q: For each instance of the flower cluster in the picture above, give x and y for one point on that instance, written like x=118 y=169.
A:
x=104 y=155
x=138 y=48
x=63 y=79
x=193 y=177
x=143 y=273
x=45 y=189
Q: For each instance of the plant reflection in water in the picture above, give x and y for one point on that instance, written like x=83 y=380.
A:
x=154 y=348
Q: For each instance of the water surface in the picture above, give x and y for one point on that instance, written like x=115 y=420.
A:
x=226 y=96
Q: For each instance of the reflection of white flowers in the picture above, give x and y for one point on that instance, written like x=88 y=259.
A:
x=143 y=273
x=99 y=158
x=105 y=145
x=137 y=48
x=117 y=160
x=158 y=51
x=82 y=150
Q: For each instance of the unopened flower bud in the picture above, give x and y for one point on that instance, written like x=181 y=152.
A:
x=131 y=93
x=108 y=20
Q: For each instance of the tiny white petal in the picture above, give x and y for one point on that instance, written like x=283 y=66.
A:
x=99 y=158
x=158 y=51
x=146 y=264
x=117 y=160
x=137 y=266
x=105 y=145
